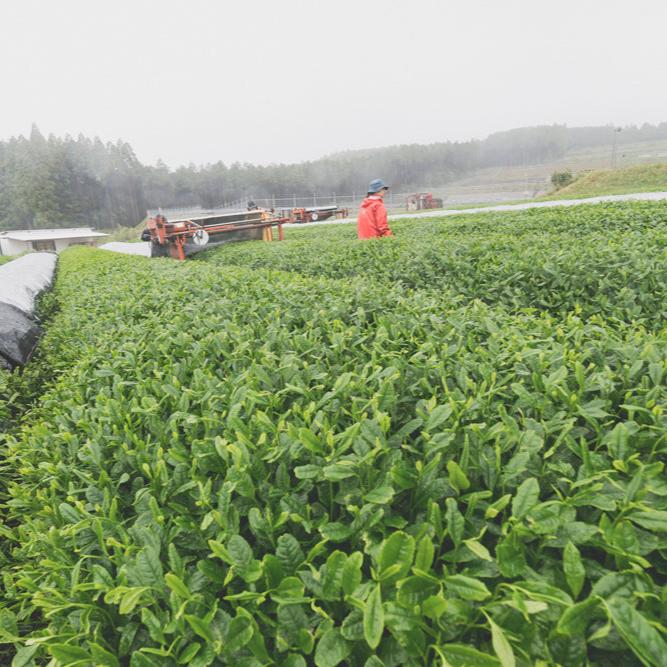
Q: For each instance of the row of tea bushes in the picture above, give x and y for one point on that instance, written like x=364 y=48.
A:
x=607 y=259
x=254 y=467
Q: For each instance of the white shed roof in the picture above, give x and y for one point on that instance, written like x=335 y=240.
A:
x=50 y=234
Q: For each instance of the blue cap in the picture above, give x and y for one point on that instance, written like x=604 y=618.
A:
x=377 y=185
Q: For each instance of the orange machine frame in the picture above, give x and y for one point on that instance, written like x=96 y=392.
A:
x=176 y=234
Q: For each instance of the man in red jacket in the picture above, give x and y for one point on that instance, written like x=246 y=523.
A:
x=372 y=220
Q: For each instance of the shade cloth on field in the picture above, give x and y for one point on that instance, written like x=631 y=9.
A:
x=21 y=282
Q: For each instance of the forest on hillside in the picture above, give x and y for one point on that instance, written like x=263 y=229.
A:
x=63 y=182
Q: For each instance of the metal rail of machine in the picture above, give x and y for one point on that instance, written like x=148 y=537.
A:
x=314 y=213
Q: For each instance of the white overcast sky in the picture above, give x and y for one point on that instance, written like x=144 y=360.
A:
x=264 y=81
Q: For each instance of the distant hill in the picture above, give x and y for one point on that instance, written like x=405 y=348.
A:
x=63 y=182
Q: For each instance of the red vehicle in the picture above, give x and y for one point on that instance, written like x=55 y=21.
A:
x=422 y=200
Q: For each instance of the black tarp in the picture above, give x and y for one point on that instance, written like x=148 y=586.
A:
x=19 y=333
x=21 y=282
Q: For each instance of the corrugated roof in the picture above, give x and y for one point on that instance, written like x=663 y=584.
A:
x=50 y=234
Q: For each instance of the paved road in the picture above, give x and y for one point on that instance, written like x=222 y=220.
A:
x=639 y=196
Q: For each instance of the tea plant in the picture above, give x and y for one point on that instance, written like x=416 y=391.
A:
x=609 y=259
x=247 y=466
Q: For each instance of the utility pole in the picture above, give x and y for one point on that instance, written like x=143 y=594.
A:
x=613 y=147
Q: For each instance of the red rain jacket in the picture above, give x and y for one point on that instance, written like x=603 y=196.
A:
x=372 y=220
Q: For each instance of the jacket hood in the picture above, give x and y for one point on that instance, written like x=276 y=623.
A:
x=369 y=201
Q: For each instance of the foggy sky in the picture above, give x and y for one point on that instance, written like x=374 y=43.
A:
x=266 y=81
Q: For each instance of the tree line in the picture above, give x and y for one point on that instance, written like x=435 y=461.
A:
x=64 y=182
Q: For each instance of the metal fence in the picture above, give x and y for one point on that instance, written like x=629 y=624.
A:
x=460 y=193
x=349 y=200
x=492 y=192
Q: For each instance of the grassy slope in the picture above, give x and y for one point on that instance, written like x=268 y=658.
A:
x=591 y=183
x=642 y=178
x=522 y=182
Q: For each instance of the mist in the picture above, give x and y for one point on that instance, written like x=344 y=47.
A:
x=263 y=82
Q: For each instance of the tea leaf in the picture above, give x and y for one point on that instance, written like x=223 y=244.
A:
x=374 y=618
x=575 y=574
x=527 y=496
x=332 y=649
x=467 y=588
x=644 y=640
x=397 y=550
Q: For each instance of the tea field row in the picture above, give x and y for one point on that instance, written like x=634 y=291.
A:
x=311 y=453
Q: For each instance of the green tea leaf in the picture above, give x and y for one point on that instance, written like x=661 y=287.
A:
x=478 y=549
x=414 y=590
x=438 y=416
x=575 y=574
x=67 y=653
x=467 y=588
x=332 y=580
x=351 y=573
x=290 y=589
x=623 y=584
x=455 y=521
x=336 y=531
x=511 y=555
x=527 y=496
x=425 y=554
x=24 y=655
x=239 y=551
x=70 y=514
x=459 y=655
x=9 y=628
x=374 y=618
x=644 y=640
x=338 y=471
x=188 y=654
x=501 y=645
x=289 y=553
x=130 y=600
x=239 y=634
x=147 y=570
x=381 y=495
x=152 y=622
x=654 y=520
x=177 y=585
x=497 y=507
x=310 y=471
x=199 y=626
x=102 y=656
x=332 y=649
x=575 y=619
x=398 y=549
x=457 y=478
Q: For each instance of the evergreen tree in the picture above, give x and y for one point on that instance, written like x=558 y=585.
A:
x=61 y=182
